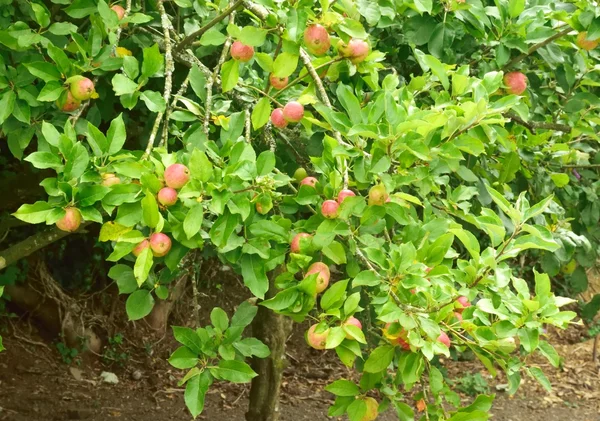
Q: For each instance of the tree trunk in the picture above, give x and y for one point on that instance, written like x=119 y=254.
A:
x=272 y=329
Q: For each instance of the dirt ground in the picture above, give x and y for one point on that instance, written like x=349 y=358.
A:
x=36 y=385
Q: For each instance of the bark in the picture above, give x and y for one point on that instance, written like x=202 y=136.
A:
x=32 y=244
x=272 y=329
x=159 y=316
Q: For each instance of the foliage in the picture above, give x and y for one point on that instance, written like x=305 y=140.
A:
x=474 y=176
x=67 y=353
x=114 y=353
x=472 y=384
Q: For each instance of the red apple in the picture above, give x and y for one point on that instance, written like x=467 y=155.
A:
x=323 y=275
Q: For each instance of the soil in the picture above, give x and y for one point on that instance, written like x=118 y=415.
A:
x=37 y=385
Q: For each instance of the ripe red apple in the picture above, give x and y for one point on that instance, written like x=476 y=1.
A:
x=141 y=247
x=443 y=338
x=309 y=181
x=352 y=321
x=359 y=50
x=344 y=194
x=293 y=112
x=68 y=103
x=295 y=244
x=330 y=209
x=278 y=82
x=82 y=88
x=316 y=340
x=398 y=338
x=585 y=44
x=277 y=118
x=71 y=221
x=300 y=174
x=167 y=196
x=176 y=176
x=323 y=275
x=160 y=244
x=242 y=52
x=516 y=83
x=118 y=10
x=462 y=302
x=378 y=195
x=372 y=409
x=316 y=39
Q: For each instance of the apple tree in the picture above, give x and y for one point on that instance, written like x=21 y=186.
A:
x=381 y=169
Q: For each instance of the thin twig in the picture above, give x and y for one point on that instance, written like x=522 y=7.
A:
x=537 y=46
x=248 y=124
x=190 y=38
x=180 y=93
x=533 y=125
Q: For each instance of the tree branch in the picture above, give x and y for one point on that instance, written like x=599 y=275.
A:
x=32 y=244
x=537 y=46
x=190 y=38
x=533 y=125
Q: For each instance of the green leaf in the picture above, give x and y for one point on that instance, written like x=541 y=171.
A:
x=195 y=392
x=7 y=105
x=539 y=375
x=343 y=388
x=188 y=337
x=379 y=359
x=33 y=214
x=153 y=62
x=44 y=70
x=254 y=274
x=233 y=371
x=183 y=358
x=97 y=140
x=51 y=92
x=44 y=160
x=423 y=6
x=122 y=85
x=200 y=166
x=249 y=347
x=116 y=135
x=139 y=304
x=219 y=319
x=213 y=37
x=261 y=113
x=60 y=58
x=198 y=82
x=150 y=210
x=560 y=179
x=91 y=193
x=529 y=338
x=428 y=62
x=123 y=275
x=335 y=251
x=265 y=163
x=550 y=353
x=154 y=101
x=244 y=315
x=285 y=65
x=193 y=220
x=253 y=36
x=265 y=61
x=230 y=73
x=143 y=264
x=62 y=28
x=515 y=7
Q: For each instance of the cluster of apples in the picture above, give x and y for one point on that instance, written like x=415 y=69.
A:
x=80 y=89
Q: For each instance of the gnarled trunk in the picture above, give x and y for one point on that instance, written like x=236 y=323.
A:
x=272 y=329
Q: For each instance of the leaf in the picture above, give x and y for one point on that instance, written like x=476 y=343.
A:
x=261 y=113
x=44 y=160
x=249 y=347
x=7 y=105
x=343 y=388
x=143 y=264
x=116 y=135
x=254 y=274
x=219 y=319
x=44 y=70
x=213 y=37
x=51 y=92
x=195 y=392
x=123 y=275
x=244 y=315
x=188 y=337
x=285 y=65
x=380 y=359
x=139 y=304
x=62 y=28
x=560 y=179
x=153 y=62
x=253 y=36
x=515 y=7
x=539 y=375
x=428 y=62
x=154 y=101
x=233 y=371
x=265 y=163
x=122 y=85
x=97 y=140
x=334 y=296
x=193 y=220
x=200 y=166
x=423 y=6
x=112 y=231
x=230 y=73
x=150 y=213
x=33 y=214
x=183 y=358
x=550 y=353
